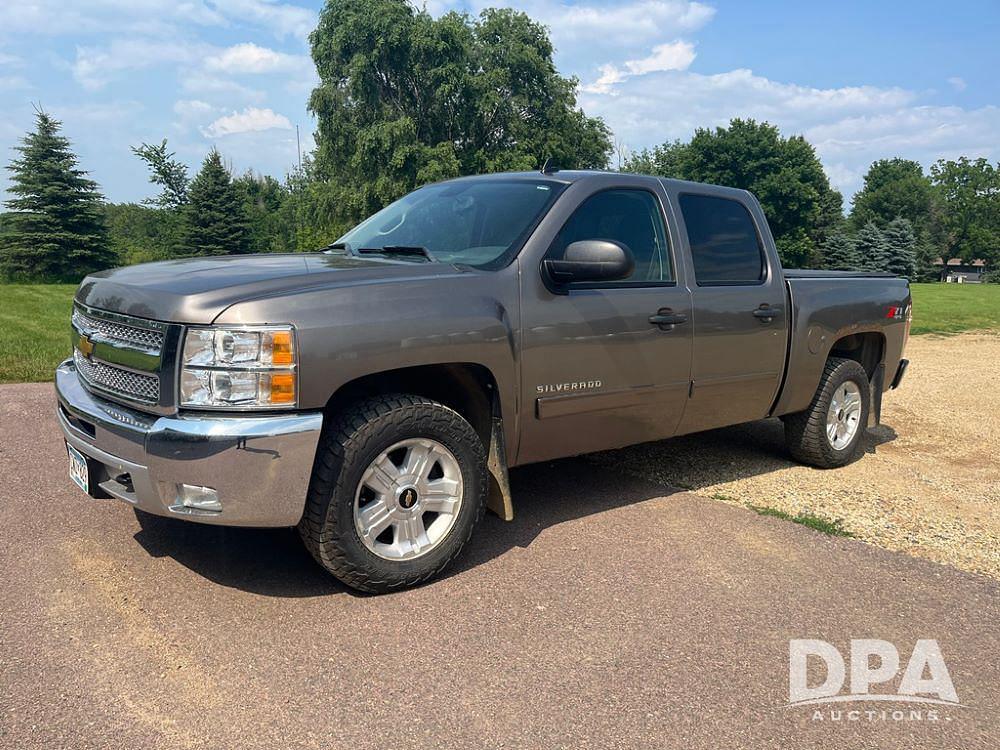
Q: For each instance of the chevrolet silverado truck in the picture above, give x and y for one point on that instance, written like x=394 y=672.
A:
x=375 y=394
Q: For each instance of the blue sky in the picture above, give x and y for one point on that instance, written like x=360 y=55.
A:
x=861 y=80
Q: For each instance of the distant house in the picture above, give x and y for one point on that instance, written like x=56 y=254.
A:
x=959 y=271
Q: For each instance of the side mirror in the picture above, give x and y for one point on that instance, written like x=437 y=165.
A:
x=591 y=260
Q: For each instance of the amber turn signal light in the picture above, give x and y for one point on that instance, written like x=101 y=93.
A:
x=281 y=348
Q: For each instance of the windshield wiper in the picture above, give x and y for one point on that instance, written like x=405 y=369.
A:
x=408 y=250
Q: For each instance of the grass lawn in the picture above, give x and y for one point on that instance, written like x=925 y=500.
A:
x=34 y=330
x=34 y=321
x=950 y=308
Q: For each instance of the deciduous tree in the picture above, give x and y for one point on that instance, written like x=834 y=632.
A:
x=405 y=98
x=167 y=172
x=784 y=173
x=970 y=193
x=894 y=188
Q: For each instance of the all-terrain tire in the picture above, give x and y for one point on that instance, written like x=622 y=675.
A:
x=806 y=431
x=349 y=443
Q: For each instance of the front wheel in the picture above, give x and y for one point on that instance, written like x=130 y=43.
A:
x=398 y=485
x=828 y=434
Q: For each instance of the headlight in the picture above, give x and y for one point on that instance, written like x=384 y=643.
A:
x=239 y=368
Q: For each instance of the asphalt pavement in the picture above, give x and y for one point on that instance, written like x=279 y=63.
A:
x=611 y=613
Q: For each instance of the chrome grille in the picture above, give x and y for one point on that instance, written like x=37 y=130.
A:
x=148 y=339
x=144 y=388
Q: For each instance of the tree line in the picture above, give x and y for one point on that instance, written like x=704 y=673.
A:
x=404 y=99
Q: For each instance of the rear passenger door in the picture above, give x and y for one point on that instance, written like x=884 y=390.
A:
x=740 y=315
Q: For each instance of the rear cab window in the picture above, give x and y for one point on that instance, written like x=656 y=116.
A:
x=725 y=246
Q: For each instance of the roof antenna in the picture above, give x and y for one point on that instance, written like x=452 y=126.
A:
x=549 y=166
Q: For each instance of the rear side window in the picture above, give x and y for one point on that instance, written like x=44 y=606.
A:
x=724 y=243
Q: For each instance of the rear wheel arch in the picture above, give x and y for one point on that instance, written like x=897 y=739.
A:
x=867 y=348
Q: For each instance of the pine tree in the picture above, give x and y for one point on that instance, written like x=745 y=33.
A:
x=840 y=253
x=216 y=221
x=925 y=254
x=873 y=248
x=56 y=230
x=902 y=244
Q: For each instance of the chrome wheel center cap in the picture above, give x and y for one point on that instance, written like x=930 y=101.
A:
x=407 y=497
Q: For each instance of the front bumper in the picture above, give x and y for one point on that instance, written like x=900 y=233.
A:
x=258 y=465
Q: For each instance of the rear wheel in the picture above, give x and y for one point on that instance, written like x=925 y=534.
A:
x=828 y=434
x=398 y=485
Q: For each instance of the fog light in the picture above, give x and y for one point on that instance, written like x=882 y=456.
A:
x=198 y=498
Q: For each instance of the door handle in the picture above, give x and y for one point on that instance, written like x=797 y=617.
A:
x=666 y=318
x=767 y=313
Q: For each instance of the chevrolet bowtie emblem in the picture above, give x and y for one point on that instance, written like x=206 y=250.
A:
x=85 y=345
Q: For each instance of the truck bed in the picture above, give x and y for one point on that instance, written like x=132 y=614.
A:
x=803 y=273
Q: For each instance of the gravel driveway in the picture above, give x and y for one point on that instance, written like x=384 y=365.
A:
x=929 y=484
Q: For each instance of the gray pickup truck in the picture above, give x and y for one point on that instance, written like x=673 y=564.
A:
x=375 y=394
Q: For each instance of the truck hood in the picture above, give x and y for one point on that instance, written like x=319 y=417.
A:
x=197 y=290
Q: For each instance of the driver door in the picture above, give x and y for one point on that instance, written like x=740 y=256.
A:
x=598 y=370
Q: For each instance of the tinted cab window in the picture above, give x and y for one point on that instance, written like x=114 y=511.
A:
x=631 y=217
x=725 y=247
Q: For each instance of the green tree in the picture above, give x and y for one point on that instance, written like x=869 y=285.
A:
x=873 y=248
x=55 y=231
x=215 y=219
x=784 y=173
x=894 y=188
x=263 y=199
x=167 y=172
x=925 y=253
x=139 y=234
x=406 y=99
x=665 y=160
x=840 y=253
x=902 y=243
x=970 y=193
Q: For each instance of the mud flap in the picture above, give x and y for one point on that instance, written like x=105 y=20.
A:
x=877 y=383
x=499 y=499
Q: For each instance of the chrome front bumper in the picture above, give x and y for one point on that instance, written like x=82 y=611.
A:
x=258 y=465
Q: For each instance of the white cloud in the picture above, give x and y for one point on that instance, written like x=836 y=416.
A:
x=850 y=126
x=59 y=17
x=957 y=83
x=193 y=113
x=96 y=66
x=249 y=120
x=587 y=34
x=10 y=83
x=671 y=56
x=631 y=23
x=250 y=58
x=199 y=83
x=283 y=19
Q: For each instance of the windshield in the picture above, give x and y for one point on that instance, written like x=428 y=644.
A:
x=474 y=222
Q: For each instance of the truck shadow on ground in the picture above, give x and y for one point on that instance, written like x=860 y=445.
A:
x=273 y=562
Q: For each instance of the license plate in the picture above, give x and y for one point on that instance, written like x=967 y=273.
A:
x=78 y=471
